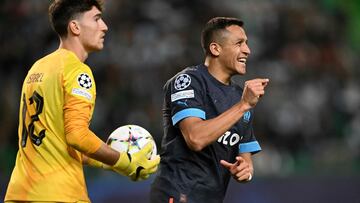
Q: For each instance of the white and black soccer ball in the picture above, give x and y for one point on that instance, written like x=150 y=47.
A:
x=182 y=81
x=131 y=139
x=84 y=81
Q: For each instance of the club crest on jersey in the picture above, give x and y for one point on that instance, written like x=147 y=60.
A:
x=84 y=81
x=182 y=81
x=246 y=116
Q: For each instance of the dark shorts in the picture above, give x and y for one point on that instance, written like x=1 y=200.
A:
x=163 y=191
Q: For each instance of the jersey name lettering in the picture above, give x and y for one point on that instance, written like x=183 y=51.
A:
x=35 y=77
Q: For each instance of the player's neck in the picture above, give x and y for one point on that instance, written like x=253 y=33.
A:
x=216 y=70
x=72 y=44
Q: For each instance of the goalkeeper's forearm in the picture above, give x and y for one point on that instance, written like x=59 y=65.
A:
x=91 y=162
x=105 y=154
x=85 y=141
x=107 y=158
x=121 y=165
x=127 y=165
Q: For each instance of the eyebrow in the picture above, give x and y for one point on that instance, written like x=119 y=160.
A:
x=243 y=40
x=98 y=15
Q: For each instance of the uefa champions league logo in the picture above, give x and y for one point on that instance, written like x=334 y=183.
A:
x=84 y=81
x=182 y=81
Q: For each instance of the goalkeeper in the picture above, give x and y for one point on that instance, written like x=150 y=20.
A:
x=56 y=106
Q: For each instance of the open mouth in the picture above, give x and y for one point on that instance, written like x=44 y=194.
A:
x=242 y=60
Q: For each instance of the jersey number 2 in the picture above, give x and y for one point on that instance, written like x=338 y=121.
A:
x=29 y=130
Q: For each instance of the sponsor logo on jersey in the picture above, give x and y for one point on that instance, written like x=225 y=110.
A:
x=186 y=94
x=182 y=81
x=230 y=139
x=182 y=103
x=84 y=81
x=82 y=93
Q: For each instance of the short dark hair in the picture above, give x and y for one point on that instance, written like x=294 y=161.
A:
x=61 y=12
x=212 y=27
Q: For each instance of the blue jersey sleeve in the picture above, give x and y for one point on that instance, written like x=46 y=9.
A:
x=186 y=97
x=249 y=142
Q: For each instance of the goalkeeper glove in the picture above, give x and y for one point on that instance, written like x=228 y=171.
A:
x=137 y=166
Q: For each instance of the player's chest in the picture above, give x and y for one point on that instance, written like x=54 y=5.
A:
x=217 y=100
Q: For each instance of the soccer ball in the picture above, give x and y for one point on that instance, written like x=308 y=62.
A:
x=130 y=139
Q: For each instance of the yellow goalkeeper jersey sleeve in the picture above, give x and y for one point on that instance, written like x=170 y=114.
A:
x=47 y=168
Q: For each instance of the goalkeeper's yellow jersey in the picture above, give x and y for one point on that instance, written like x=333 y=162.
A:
x=47 y=168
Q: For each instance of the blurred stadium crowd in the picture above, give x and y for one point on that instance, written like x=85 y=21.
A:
x=307 y=123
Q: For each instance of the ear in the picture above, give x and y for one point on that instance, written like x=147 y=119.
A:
x=74 y=27
x=215 y=49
